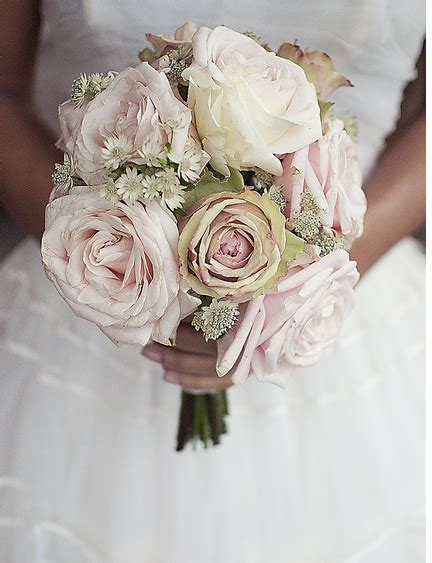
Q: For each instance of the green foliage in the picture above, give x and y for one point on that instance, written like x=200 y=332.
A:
x=211 y=184
x=325 y=107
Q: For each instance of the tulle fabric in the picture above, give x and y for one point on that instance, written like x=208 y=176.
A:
x=327 y=470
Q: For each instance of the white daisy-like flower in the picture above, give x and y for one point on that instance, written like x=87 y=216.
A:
x=194 y=160
x=99 y=81
x=173 y=123
x=171 y=190
x=216 y=319
x=89 y=84
x=129 y=185
x=152 y=155
x=109 y=191
x=173 y=196
x=80 y=87
x=152 y=186
x=117 y=150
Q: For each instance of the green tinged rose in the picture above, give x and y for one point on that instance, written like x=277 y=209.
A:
x=235 y=244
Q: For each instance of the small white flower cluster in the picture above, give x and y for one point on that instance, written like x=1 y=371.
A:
x=193 y=162
x=132 y=184
x=149 y=172
x=89 y=85
x=175 y=62
x=168 y=186
x=216 y=319
x=62 y=175
x=152 y=155
x=307 y=225
x=264 y=182
x=329 y=242
x=277 y=197
x=117 y=151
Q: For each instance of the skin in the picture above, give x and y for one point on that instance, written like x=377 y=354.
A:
x=396 y=190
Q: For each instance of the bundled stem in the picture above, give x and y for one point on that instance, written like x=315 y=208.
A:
x=202 y=417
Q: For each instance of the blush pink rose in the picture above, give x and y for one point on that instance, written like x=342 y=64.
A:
x=117 y=266
x=140 y=104
x=292 y=325
x=329 y=169
x=70 y=117
x=249 y=105
x=235 y=245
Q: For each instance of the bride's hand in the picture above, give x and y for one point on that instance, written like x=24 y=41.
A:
x=191 y=363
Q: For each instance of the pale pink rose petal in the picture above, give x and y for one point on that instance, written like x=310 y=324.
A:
x=293 y=324
x=116 y=265
x=330 y=170
x=139 y=104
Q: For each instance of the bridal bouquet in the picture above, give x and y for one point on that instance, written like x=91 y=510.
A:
x=212 y=182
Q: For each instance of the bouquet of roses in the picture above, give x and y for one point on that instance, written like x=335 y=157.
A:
x=213 y=181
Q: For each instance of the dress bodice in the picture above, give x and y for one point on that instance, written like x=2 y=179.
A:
x=375 y=43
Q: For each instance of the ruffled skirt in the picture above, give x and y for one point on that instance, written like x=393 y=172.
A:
x=328 y=470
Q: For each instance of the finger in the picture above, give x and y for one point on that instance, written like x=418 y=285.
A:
x=153 y=351
x=186 y=362
x=190 y=340
x=176 y=360
x=198 y=382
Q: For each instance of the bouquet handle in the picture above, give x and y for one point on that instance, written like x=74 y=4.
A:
x=202 y=418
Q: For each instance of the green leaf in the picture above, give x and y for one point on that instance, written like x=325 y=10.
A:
x=147 y=55
x=210 y=184
x=294 y=245
x=325 y=107
x=351 y=125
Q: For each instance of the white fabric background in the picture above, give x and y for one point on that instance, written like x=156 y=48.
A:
x=328 y=470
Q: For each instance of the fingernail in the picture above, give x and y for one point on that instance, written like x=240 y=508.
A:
x=152 y=352
x=171 y=377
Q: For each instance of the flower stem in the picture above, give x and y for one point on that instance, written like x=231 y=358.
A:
x=202 y=418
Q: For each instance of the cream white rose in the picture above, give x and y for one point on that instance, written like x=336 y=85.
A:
x=249 y=104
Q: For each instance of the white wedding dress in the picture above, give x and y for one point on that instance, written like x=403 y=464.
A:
x=327 y=470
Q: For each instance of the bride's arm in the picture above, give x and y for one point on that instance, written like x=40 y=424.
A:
x=27 y=151
x=396 y=190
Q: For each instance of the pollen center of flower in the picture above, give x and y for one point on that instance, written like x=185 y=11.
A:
x=117 y=152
